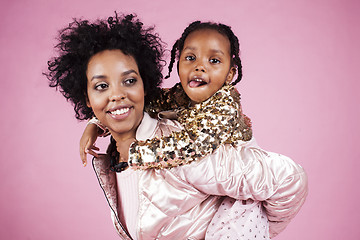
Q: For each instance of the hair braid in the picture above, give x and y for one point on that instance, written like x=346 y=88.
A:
x=173 y=55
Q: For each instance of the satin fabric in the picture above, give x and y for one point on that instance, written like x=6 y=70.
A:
x=179 y=203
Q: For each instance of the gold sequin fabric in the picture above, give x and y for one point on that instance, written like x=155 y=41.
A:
x=218 y=120
x=170 y=99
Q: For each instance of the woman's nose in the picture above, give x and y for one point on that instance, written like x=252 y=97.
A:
x=117 y=95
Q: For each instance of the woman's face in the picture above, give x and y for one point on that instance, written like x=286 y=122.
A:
x=116 y=92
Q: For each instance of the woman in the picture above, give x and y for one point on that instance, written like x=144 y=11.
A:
x=112 y=69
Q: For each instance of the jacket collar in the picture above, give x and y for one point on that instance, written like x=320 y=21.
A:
x=147 y=128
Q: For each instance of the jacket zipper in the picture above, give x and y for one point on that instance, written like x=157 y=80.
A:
x=115 y=214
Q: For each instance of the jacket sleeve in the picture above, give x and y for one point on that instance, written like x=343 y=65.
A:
x=169 y=99
x=250 y=172
x=205 y=126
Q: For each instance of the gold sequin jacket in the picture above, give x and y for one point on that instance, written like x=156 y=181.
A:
x=215 y=121
x=179 y=202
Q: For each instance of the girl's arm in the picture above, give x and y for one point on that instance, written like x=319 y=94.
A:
x=207 y=125
x=93 y=130
x=250 y=172
x=170 y=99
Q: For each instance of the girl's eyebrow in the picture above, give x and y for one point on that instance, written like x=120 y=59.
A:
x=212 y=50
x=123 y=74
x=189 y=48
x=217 y=51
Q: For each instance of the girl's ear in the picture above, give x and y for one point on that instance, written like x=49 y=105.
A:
x=231 y=75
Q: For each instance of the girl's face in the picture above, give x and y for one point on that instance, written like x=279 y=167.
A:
x=205 y=64
x=116 y=92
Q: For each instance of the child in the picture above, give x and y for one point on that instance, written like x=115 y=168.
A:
x=208 y=56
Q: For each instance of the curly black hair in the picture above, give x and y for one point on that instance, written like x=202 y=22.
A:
x=222 y=29
x=82 y=39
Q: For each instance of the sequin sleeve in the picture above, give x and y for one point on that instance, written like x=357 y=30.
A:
x=170 y=99
x=207 y=125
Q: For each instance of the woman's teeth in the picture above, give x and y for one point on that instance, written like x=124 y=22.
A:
x=120 y=111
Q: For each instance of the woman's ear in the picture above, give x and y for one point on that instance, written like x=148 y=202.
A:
x=230 y=75
x=87 y=102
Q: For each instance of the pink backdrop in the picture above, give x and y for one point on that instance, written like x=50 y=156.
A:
x=300 y=87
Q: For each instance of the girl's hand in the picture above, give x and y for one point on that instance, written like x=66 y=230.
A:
x=87 y=143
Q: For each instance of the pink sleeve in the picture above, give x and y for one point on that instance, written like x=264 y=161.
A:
x=250 y=172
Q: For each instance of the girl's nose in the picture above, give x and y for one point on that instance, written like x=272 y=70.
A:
x=200 y=68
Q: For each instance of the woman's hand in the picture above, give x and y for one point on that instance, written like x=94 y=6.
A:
x=87 y=143
x=123 y=148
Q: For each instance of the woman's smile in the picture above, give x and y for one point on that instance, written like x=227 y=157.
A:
x=116 y=92
x=120 y=112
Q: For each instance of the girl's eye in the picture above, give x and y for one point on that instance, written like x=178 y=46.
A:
x=190 y=58
x=214 y=60
x=101 y=86
x=130 y=81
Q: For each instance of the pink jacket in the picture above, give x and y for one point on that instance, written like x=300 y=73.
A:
x=179 y=203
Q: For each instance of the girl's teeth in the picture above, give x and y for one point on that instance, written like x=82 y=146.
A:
x=120 y=111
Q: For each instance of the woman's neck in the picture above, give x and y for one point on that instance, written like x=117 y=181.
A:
x=123 y=142
x=121 y=137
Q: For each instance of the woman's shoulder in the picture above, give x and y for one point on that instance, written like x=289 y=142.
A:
x=167 y=126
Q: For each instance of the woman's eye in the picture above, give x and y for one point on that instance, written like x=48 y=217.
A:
x=130 y=81
x=101 y=86
x=214 y=60
x=190 y=58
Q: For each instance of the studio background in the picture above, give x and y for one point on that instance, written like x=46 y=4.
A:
x=300 y=88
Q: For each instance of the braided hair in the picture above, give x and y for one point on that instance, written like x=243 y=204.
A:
x=222 y=29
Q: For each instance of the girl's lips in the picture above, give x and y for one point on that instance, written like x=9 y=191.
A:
x=196 y=82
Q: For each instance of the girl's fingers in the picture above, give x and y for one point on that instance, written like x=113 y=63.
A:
x=91 y=152
x=83 y=157
x=88 y=149
x=93 y=147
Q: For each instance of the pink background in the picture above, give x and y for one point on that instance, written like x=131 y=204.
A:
x=300 y=87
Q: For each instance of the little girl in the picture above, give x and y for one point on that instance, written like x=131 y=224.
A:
x=208 y=107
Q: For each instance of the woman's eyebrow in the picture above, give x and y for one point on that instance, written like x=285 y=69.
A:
x=129 y=72
x=123 y=74
x=98 y=77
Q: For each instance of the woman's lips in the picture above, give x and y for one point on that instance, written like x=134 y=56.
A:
x=120 y=113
